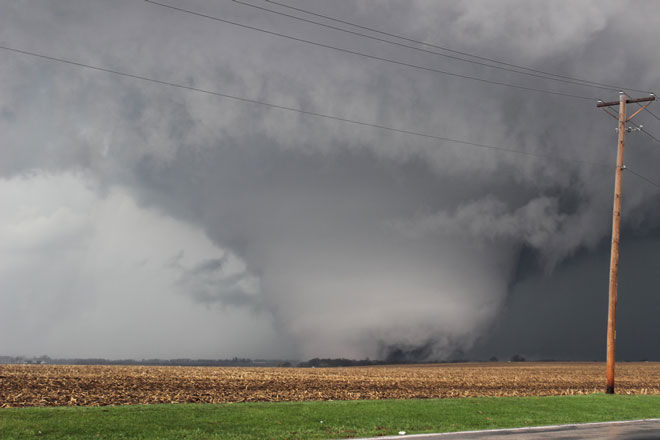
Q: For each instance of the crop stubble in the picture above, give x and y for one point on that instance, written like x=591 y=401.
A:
x=56 y=385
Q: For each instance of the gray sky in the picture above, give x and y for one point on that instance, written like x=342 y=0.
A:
x=141 y=220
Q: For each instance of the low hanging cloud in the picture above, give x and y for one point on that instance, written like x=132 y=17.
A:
x=536 y=224
x=223 y=281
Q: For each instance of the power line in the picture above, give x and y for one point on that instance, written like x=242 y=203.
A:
x=374 y=57
x=298 y=110
x=641 y=128
x=638 y=127
x=327 y=17
x=649 y=134
x=652 y=114
x=643 y=177
x=582 y=83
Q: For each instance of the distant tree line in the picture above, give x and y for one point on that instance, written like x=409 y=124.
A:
x=339 y=362
x=245 y=362
x=180 y=362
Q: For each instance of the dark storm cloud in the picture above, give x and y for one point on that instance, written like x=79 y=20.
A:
x=352 y=241
x=563 y=316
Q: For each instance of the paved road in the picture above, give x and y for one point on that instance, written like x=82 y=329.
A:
x=630 y=430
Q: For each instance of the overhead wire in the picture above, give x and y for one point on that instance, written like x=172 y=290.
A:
x=298 y=110
x=637 y=126
x=652 y=114
x=640 y=128
x=453 y=57
x=643 y=177
x=374 y=57
x=643 y=130
x=425 y=43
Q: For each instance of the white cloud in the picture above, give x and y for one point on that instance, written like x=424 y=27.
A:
x=83 y=274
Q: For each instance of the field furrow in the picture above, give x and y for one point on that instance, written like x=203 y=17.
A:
x=55 y=385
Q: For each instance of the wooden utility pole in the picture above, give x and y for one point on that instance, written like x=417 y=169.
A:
x=616 y=225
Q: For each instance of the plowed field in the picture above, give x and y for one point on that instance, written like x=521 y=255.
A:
x=49 y=385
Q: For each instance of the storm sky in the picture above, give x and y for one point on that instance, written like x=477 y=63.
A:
x=141 y=220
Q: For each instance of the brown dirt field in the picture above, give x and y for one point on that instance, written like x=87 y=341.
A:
x=54 y=385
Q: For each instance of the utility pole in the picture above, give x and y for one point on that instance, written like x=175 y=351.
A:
x=616 y=225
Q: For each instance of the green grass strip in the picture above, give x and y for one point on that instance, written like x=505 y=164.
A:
x=316 y=420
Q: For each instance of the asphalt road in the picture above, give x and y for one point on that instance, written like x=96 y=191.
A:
x=632 y=430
